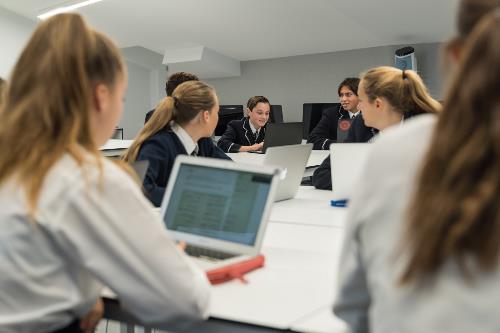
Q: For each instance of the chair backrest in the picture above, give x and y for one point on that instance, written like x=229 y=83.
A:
x=276 y=114
x=311 y=115
x=226 y=114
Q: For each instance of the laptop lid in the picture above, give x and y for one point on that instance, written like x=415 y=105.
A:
x=292 y=160
x=218 y=204
x=347 y=161
x=282 y=134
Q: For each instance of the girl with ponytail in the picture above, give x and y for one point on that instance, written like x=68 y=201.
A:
x=182 y=124
x=70 y=220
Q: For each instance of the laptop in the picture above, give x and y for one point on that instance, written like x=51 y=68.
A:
x=282 y=134
x=347 y=162
x=292 y=160
x=219 y=208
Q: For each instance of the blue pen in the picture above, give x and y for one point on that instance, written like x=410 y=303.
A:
x=339 y=203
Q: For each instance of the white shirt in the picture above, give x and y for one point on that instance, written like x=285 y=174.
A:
x=353 y=114
x=52 y=270
x=369 y=297
x=254 y=130
x=185 y=138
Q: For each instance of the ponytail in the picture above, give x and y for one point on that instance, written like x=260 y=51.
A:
x=404 y=90
x=188 y=99
x=160 y=119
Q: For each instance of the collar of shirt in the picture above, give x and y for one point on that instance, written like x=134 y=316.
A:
x=254 y=130
x=352 y=115
x=186 y=139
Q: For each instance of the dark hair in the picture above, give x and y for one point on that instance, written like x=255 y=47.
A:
x=455 y=213
x=176 y=79
x=253 y=101
x=189 y=99
x=351 y=82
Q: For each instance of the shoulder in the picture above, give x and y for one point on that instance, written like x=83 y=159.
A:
x=237 y=123
x=161 y=142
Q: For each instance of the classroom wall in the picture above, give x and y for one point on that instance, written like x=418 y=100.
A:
x=137 y=100
x=15 y=31
x=292 y=81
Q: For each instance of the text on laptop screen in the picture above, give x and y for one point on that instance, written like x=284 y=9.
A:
x=218 y=203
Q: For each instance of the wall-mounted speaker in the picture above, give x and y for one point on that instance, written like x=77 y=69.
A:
x=405 y=58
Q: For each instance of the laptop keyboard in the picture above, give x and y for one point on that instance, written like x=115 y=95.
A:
x=195 y=251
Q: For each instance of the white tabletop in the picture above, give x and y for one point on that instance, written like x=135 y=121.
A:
x=302 y=251
x=317 y=156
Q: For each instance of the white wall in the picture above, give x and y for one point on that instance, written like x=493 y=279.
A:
x=15 y=31
x=293 y=81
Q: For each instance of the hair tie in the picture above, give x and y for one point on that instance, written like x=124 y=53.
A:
x=404 y=74
x=176 y=102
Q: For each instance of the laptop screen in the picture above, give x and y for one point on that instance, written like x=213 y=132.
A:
x=218 y=203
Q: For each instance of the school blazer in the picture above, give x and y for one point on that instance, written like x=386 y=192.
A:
x=238 y=133
x=359 y=132
x=325 y=132
x=161 y=150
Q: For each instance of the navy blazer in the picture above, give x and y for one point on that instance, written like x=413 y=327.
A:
x=161 y=150
x=238 y=133
x=325 y=132
x=359 y=132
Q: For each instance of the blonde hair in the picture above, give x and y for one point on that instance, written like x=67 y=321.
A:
x=404 y=90
x=46 y=112
x=455 y=213
x=187 y=100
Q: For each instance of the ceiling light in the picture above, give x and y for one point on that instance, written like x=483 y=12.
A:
x=65 y=8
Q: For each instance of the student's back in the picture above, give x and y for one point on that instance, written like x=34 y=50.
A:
x=70 y=220
x=422 y=245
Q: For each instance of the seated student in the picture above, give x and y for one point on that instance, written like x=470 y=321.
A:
x=335 y=122
x=71 y=221
x=387 y=96
x=422 y=245
x=248 y=133
x=181 y=125
x=173 y=81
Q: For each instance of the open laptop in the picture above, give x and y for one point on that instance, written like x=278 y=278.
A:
x=347 y=161
x=292 y=160
x=218 y=207
x=282 y=134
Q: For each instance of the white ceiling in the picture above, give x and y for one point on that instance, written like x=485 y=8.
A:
x=261 y=29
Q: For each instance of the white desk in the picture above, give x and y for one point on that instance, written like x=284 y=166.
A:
x=299 y=277
x=317 y=156
x=115 y=147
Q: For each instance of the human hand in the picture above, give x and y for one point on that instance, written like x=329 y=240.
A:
x=89 y=322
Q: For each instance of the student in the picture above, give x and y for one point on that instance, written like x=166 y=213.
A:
x=248 y=133
x=335 y=122
x=387 y=96
x=182 y=124
x=70 y=220
x=173 y=81
x=422 y=241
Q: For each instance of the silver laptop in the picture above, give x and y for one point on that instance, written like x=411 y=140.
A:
x=218 y=207
x=347 y=161
x=292 y=160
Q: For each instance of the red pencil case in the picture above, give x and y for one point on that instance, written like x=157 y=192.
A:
x=236 y=270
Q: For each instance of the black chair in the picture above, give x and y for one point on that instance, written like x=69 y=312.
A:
x=311 y=115
x=276 y=114
x=226 y=114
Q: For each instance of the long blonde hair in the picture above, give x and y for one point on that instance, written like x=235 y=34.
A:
x=47 y=104
x=187 y=100
x=455 y=212
x=404 y=90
